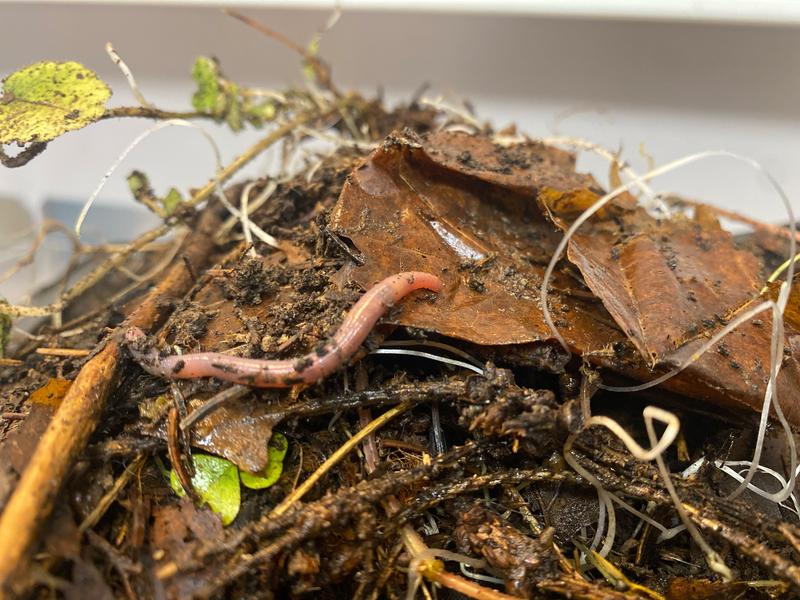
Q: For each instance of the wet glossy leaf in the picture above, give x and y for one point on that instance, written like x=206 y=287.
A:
x=216 y=481
x=237 y=431
x=464 y=209
x=47 y=99
x=276 y=449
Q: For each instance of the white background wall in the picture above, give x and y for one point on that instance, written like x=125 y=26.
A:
x=676 y=87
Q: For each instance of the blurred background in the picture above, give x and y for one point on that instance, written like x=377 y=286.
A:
x=650 y=78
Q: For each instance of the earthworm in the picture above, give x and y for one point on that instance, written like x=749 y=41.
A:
x=316 y=365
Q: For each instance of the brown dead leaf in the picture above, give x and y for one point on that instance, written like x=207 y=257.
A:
x=19 y=444
x=684 y=588
x=664 y=282
x=411 y=207
x=473 y=213
x=178 y=527
x=51 y=393
x=238 y=431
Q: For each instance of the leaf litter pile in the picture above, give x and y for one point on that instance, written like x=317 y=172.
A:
x=476 y=427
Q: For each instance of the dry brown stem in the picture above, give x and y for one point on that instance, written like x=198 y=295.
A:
x=78 y=415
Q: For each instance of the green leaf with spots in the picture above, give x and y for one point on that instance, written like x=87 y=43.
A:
x=216 y=481
x=276 y=451
x=47 y=99
x=209 y=97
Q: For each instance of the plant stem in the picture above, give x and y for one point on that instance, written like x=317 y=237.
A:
x=337 y=456
x=148 y=112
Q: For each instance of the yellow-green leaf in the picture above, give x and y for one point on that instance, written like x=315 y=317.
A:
x=47 y=99
x=171 y=201
x=208 y=98
x=216 y=481
x=276 y=451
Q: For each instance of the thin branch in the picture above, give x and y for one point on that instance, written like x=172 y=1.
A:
x=337 y=456
x=321 y=70
x=149 y=112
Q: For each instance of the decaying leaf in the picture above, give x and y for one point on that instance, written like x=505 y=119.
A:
x=176 y=526
x=489 y=244
x=46 y=99
x=238 y=431
x=51 y=393
x=481 y=216
x=664 y=282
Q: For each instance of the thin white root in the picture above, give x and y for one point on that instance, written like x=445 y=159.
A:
x=244 y=199
x=778 y=309
x=657 y=448
x=253 y=206
x=582 y=144
x=428 y=355
x=137 y=140
x=727 y=468
x=434 y=344
x=126 y=72
x=441 y=105
x=479 y=576
x=256 y=230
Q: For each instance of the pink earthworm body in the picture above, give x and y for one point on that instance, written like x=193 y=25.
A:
x=310 y=368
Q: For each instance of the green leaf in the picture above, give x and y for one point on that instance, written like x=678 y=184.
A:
x=208 y=98
x=276 y=451
x=171 y=201
x=216 y=481
x=259 y=113
x=139 y=184
x=47 y=99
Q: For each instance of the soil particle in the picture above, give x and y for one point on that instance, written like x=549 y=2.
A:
x=250 y=283
x=522 y=559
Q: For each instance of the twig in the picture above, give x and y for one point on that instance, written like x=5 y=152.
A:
x=69 y=352
x=174 y=452
x=334 y=458
x=47 y=226
x=10 y=362
x=102 y=506
x=434 y=571
x=78 y=415
x=147 y=112
x=321 y=70
x=12 y=416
